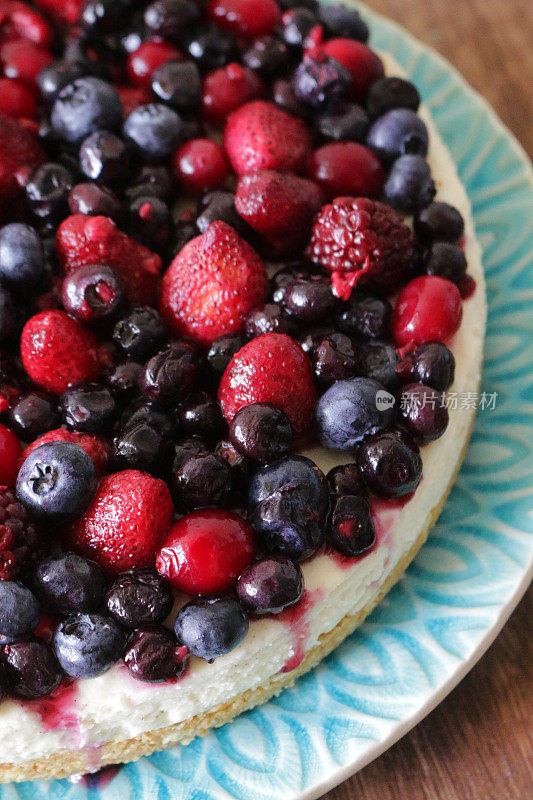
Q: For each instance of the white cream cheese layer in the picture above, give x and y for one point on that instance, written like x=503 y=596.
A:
x=114 y=706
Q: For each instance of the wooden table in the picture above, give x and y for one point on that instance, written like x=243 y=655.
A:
x=478 y=744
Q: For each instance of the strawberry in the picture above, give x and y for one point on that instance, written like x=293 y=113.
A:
x=125 y=523
x=259 y=135
x=96 y=448
x=280 y=206
x=272 y=368
x=213 y=282
x=83 y=239
x=58 y=352
x=20 y=153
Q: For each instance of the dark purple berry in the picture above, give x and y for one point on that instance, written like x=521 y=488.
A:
x=103 y=157
x=378 y=360
x=199 y=415
x=349 y=123
x=68 y=582
x=88 y=408
x=153 y=655
x=388 y=93
x=390 y=463
x=47 y=190
x=55 y=77
x=284 y=96
x=169 y=375
x=143 y=412
x=321 y=83
x=269 y=318
x=447 y=261
x=209 y=628
x=212 y=48
x=342 y=21
x=309 y=300
x=439 y=222
x=153 y=131
x=237 y=462
x=19 y=610
x=21 y=257
x=422 y=411
x=92 y=292
x=366 y=316
x=123 y=380
x=432 y=364
x=89 y=198
x=86 y=645
x=345 y=479
x=261 y=432
x=221 y=352
x=171 y=18
x=139 y=597
x=140 y=333
x=350 y=529
x=151 y=181
x=185 y=449
x=268 y=55
x=296 y=26
x=33 y=415
x=8 y=315
x=409 y=185
x=141 y=447
x=219 y=206
x=203 y=481
x=283 y=278
x=179 y=84
x=309 y=340
x=398 y=133
x=269 y=586
x=87 y=104
x=334 y=359
x=32 y=669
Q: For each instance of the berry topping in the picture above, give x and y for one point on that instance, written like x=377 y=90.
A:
x=270 y=369
x=87 y=104
x=409 y=185
x=390 y=463
x=261 y=136
x=345 y=479
x=86 y=645
x=334 y=358
x=365 y=315
x=346 y=168
x=261 y=432
x=169 y=375
x=269 y=586
x=446 y=260
x=153 y=130
x=200 y=165
x=103 y=156
x=389 y=93
x=321 y=82
x=88 y=408
x=56 y=482
x=58 y=352
x=349 y=123
x=350 y=529
x=32 y=669
x=204 y=479
x=248 y=18
x=361 y=241
x=211 y=628
x=398 y=133
x=439 y=222
x=140 y=597
x=67 y=583
x=97 y=449
x=21 y=256
x=228 y=88
x=19 y=611
x=432 y=363
x=422 y=412
x=429 y=307
x=92 y=292
x=363 y=64
x=140 y=333
x=178 y=84
x=212 y=284
x=153 y=655
x=21 y=543
x=125 y=523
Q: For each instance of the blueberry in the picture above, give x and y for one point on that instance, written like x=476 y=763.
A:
x=21 y=256
x=7 y=314
x=432 y=363
x=217 y=206
x=268 y=55
x=261 y=432
x=345 y=479
x=47 y=190
x=439 y=222
x=169 y=375
x=154 y=130
x=447 y=261
x=238 y=465
x=309 y=300
x=103 y=156
x=349 y=123
x=88 y=408
x=288 y=502
x=88 y=198
x=186 y=448
x=203 y=481
x=269 y=586
x=378 y=360
x=342 y=21
x=314 y=336
x=390 y=463
x=221 y=352
x=170 y=18
x=152 y=180
x=32 y=669
x=283 y=278
x=284 y=96
x=57 y=482
x=334 y=358
x=141 y=447
x=92 y=292
x=123 y=380
x=409 y=185
x=398 y=133
x=68 y=582
x=388 y=93
x=212 y=48
x=179 y=84
x=58 y=75
x=321 y=83
x=209 y=628
x=33 y=415
x=86 y=105
x=350 y=529
x=350 y=410
x=19 y=610
x=422 y=412
x=140 y=333
x=86 y=645
x=139 y=597
x=270 y=318
x=153 y=655
x=142 y=412
x=296 y=26
x=199 y=415
x=366 y=316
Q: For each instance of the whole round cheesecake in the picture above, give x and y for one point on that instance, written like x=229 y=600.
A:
x=242 y=313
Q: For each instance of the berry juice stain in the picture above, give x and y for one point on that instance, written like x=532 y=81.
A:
x=295 y=619
x=96 y=780
x=58 y=711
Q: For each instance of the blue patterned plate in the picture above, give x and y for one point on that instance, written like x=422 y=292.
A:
x=439 y=619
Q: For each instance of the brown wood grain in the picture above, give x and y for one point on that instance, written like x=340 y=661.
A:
x=478 y=743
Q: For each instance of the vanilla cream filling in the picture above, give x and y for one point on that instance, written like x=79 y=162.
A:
x=114 y=706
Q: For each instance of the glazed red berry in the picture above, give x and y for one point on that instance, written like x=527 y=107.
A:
x=58 y=352
x=228 y=88
x=346 y=168
x=24 y=60
x=200 y=165
x=272 y=368
x=249 y=18
x=147 y=58
x=428 y=308
x=206 y=551
x=16 y=100
x=9 y=456
x=20 y=153
x=21 y=21
x=365 y=66
x=96 y=448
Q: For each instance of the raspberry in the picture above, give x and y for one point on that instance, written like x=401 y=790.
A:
x=21 y=544
x=362 y=241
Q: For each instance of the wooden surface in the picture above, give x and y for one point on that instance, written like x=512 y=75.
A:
x=478 y=744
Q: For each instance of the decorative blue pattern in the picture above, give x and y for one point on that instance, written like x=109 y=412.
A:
x=454 y=598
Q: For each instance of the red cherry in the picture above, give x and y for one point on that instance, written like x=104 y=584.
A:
x=346 y=168
x=228 y=88
x=15 y=100
x=21 y=21
x=428 y=308
x=365 y=65
x=247 y=18
x=9 y=456
x=147 y=58
x=200 y=164
x=206 y=551
x=24 y=60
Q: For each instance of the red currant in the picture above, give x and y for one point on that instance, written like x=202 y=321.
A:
x=346 y=168
x=16 y=100
x=9 y=456
x=366 y=67
x=200 y=164
x=147 y=58
x=428 y=308
x=206 y=551
x=228 y=88
x=248 y=18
